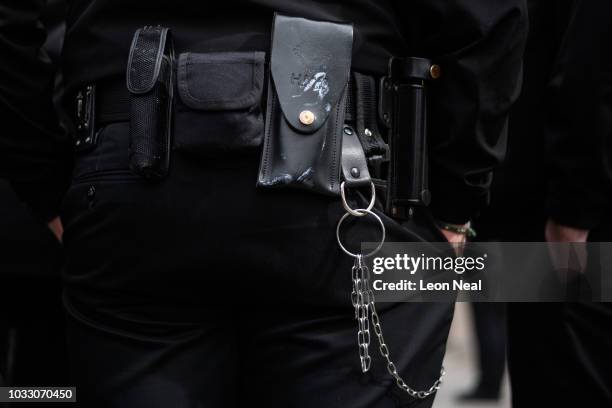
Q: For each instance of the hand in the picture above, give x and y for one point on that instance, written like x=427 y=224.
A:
x=457 y=240
x=453 y=237
x=55 y=225
x=568 y=260
x=555 y=232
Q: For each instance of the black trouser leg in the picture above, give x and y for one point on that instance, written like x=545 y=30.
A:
x=559 y=354
x=490 y=323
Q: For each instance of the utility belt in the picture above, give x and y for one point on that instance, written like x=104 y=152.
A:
x=326 y=129
x=323 y=123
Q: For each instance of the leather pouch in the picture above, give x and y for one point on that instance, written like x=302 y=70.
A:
x=309 y=73
x=150 y=79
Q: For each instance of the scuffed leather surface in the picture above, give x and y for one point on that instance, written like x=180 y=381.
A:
x=309 y=70
x=295 y=155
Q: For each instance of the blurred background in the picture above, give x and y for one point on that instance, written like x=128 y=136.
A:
x=462 y=363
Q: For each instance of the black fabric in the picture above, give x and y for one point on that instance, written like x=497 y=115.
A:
x=558 y=161
x=219 y=81
x=578 y=125
x=201 y=289
x=563 y=348
x=33 y=348
x=278 y=356
x=558 y=354
x=477 y=44
x=28 y=249
x=30 y=299
x=34 y=152
x=490 y=325
x=220 y=103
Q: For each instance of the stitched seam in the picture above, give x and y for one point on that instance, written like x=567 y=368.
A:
x=268 y=134
x=332 y=180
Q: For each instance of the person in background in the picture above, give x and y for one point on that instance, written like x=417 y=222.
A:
x=490 y=329
x=556 y=185
x=32 y=321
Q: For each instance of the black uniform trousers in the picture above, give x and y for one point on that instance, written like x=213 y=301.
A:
x=559 y=353
x=203 y=291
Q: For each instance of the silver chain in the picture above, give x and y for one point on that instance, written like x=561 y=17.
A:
x=362 y=298
x=362 y=313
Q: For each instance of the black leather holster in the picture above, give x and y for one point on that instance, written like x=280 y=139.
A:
x=309 y=72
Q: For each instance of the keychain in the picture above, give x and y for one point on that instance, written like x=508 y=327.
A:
x=362 y=298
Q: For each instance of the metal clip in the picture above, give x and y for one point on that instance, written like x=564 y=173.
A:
x=85 y=123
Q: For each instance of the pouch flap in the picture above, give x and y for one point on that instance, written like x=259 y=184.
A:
x=310 y=65
x=221 y=80
x=146 y=54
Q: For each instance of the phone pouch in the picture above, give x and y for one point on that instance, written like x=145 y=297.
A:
x=150 y=79
x=307 y=89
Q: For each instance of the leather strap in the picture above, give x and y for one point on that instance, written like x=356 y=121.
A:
x=354 y=163
x=410 y=68
x=366 y=112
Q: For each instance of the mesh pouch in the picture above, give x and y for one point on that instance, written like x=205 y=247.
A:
x=150 y=78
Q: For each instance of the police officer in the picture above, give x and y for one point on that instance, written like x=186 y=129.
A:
x=30 y=284
x=558 y=353
x=199 y=289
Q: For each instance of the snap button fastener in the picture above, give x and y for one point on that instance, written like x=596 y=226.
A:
x=307 y=117
x=355 y=172
x=435 y=71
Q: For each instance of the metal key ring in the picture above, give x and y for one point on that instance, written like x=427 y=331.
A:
x=362 y=213
x=357 y=212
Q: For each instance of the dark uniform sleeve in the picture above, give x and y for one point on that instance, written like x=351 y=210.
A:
x=579 y=121
x=34 y=152
x=478 y=45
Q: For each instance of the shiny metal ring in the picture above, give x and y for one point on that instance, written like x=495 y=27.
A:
x=362 y=213
x=356 y=213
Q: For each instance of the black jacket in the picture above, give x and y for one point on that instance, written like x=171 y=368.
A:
x=478 y=44
x=560 y=133
x=578 y=127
